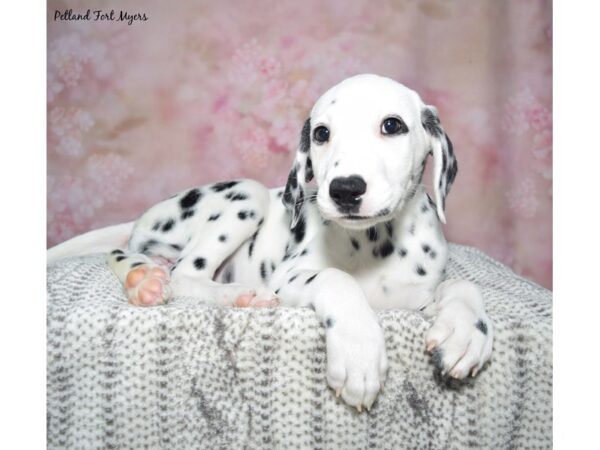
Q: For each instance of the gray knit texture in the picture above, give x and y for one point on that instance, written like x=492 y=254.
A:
x=187 y=375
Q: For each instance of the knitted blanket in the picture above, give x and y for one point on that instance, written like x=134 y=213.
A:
x=187 y=375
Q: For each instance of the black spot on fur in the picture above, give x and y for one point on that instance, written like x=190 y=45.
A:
x=299 y=230
x=293 y=278
x=420 y=270
x=329 y=322
x=244 y=214
x=309 y=280
x=145 y=247
x=355 y=244
x=424 y=208
x=190 y=199
x=372 y=234
x=219 y=187
x=308 y=174
x=443 y=379
x=175 y=246
x=222 y=238
x=120 y=258
x=251 y=245
x=116 y=252
x=156 y=226
x=437 y=358
x=263 y=271
x=236 y=196
x=432 y=254
x=402 y=252
x=168 y=225
x=384 y=250
x=426 y=248
x=304 y=252
x=199 y=263
x=135 y=264
x=453 y=169
x=482 y=326
x=411 y=229
x=187 y=214
x=431 y=203
x=444 y=162
x=389 y=227
x=287 y=252
x=214 y=217
x=293 y=177
x=447 y=382
x=280 y=194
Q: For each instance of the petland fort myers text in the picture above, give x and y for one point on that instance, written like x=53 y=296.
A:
x=99 y=15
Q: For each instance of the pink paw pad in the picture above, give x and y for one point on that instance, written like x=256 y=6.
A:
x=147 y=285
x=251 y=300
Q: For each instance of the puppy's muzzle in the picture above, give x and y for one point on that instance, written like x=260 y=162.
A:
x=346 y=192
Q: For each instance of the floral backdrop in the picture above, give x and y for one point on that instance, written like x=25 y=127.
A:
x=203 y=91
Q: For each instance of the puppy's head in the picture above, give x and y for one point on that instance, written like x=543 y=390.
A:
x=365 y=143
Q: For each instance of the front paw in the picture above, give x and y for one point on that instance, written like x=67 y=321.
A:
x=460 y=340
x=356 y=360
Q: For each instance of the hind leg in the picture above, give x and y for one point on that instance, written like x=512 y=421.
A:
x=193 y=233
x=145 y=279
x=194 y=271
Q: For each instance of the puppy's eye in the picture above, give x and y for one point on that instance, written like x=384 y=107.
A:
x=321 y=134
x=393 y=125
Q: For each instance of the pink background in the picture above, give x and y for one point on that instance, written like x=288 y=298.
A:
x=206 y=91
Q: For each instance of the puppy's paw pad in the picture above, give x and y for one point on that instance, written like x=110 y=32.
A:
x=147 y=285
x=259 y=299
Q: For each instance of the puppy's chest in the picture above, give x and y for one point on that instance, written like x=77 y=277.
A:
x=397 y=267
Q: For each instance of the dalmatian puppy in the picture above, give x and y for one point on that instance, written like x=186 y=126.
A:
x=365 y=237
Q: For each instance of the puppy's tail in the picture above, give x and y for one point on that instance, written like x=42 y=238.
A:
x=102 y=240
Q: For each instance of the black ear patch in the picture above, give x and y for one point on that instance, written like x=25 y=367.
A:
x=452 y=166
x=300 y=174
x=305 y=137
x=441 y=149
x=431 y=123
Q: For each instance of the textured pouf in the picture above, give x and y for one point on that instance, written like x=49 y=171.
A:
x=188 y=375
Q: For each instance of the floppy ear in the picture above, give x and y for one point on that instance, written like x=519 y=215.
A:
x=300 y=174
x=444 y=161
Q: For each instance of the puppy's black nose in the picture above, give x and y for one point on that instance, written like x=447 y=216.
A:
x=346 y=191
